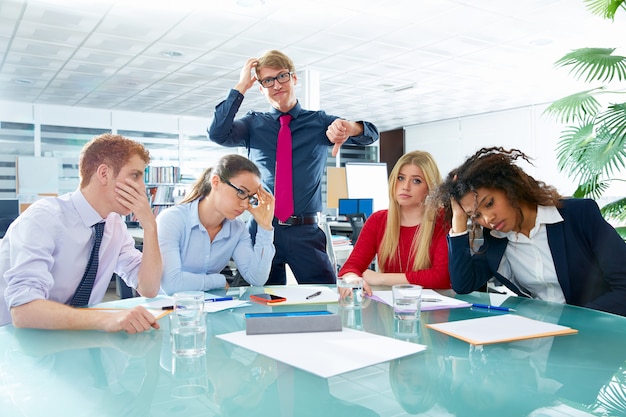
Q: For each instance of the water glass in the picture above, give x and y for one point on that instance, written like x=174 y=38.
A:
x=407 y=303
x=189 y=376
x=351 y=318
x=188 y=324
x=189 y=306
x=350 y=290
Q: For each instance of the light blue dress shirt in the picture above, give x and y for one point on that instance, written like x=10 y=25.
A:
x=192 y=262
x=45 y=252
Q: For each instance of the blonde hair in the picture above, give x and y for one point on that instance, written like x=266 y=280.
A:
x=420 y=247
x=275 y=59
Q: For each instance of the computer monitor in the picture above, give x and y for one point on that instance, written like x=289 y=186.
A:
x=366 y=206
x=349 y=206
x=9 y=210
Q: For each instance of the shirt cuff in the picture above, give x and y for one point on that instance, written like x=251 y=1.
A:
x=452 y=234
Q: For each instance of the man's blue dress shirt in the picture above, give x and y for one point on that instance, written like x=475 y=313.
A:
x=258 y=132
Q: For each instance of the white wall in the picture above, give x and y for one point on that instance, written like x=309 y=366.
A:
x=452 y=141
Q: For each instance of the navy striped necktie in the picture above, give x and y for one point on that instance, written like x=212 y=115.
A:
x=83 y=292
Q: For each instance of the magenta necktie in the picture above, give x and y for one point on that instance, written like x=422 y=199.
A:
x=283 y=184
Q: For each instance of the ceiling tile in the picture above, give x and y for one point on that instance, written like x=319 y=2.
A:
x=458 y=57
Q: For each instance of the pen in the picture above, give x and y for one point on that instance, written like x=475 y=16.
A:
x=315 y=294
x=431 y=300
x=212 y=300
x=488 y=307
x=288 y=314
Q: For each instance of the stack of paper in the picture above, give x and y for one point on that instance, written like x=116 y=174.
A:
x=225 y=303
x=340 y=240
x=500 y=328
x=296 y=294
x=431 y=300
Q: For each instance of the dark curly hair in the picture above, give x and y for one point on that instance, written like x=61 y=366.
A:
x=495 y=168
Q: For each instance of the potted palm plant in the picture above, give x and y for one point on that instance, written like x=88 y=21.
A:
x=592 y=147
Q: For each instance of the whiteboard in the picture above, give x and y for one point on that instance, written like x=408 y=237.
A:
x=368 y=180
x=37 y=175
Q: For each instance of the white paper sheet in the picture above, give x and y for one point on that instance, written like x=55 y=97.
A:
x=325 y=353
x=223 y=305
x=428 y=300
x=296 y=294
x=209 y=307
x=500 y=328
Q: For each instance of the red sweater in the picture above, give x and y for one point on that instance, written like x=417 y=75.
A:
x=436 y=277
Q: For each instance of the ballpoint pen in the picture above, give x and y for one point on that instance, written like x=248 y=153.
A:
x=315 y=294
x=430 y=300
x=206 y=300
x=488 y=307
x=212 y=300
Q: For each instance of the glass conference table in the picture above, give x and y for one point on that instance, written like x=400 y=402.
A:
x=89 y=373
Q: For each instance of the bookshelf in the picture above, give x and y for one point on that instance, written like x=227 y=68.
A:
x=164 y=187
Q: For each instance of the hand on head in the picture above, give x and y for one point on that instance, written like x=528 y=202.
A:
x=263 y=213
x=247 y=76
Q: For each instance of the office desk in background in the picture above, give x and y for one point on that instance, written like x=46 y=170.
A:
x=340 y=227
x=114 y=375
x=335 y=227
x=137 y=234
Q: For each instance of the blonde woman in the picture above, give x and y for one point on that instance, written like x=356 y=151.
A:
x=409 y=238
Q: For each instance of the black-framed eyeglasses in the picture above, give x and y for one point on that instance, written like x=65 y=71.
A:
x=282 y=78
x=242 y=195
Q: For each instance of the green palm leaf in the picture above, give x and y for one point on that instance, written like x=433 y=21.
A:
x=588 y=155
x=572 y=148
x=615 y=210
x=594 y=188
x=575 y=107
x=614 y=120
x=604 y=8
x=592 y=147
x=595 y=64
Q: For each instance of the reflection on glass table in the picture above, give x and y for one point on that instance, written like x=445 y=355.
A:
x=135 y=375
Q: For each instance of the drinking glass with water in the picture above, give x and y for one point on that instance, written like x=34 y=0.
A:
x=188 y=324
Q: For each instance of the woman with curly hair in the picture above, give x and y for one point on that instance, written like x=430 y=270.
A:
x=536 y=242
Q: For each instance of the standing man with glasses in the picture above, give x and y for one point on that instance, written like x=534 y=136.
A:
x=290 y=146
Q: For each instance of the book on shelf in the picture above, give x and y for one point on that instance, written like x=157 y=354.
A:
x=157 y=175
x=165 y=193
x=340 y=240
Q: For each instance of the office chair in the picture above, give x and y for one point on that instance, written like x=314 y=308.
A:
x=357 y=221
x=329 y=245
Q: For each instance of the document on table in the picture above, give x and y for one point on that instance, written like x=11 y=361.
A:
x=296 y=294
x=325 y=354
x=431 y=300
x=499 y=329
x=157 y=313
x=209 y=306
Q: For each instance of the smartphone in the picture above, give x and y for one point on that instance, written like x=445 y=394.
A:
x=267 y=298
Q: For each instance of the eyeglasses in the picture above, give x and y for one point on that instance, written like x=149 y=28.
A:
x=282 y=78
x=242 y=195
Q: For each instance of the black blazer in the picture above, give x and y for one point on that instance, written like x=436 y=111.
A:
x=589 y=258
